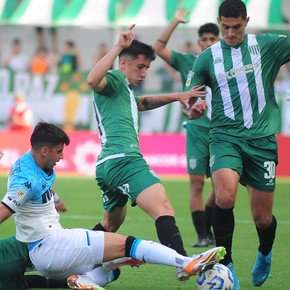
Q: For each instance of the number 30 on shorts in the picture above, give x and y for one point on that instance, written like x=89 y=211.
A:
x=271 y=169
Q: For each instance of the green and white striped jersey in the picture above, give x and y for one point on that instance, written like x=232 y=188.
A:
x=242 y=82
x=116 y=110
x=182 y=62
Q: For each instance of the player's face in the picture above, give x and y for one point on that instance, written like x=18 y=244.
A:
x=53 y=155
x=233 y=29
x=136 y=69
x=206 y=40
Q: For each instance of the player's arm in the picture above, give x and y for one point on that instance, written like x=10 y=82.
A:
x=96 y=78
x=150 y=102
x=5 y=213
x=160 y=45
x=58 y=204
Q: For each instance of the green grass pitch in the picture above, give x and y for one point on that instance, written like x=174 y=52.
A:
x=82 y=196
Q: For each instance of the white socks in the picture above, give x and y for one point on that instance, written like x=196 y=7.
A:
x=155 y=253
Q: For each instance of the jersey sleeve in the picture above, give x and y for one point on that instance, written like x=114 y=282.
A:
x=281 y=47
x=114 y=79
x=197 y=74
x=176 y=60
x=19 y=192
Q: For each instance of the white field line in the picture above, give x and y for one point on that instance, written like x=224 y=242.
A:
x=141 y=219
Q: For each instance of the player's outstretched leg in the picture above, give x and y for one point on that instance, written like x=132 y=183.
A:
x=126 y=261
x=93 y=280
x=204 y=260
x=261 y=269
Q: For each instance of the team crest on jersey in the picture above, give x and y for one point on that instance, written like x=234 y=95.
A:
x=20 y=194
x=125 y=188
x=189 y=78
x=254 y=49
x=217 y=60
x=192 y=163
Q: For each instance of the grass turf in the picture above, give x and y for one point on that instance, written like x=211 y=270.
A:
x=82 y=196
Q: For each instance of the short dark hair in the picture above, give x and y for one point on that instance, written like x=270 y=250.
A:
x=233 y=8
x=208 y=28
x=49 y=135
x=136 y=48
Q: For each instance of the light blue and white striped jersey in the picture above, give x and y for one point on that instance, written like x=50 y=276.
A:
x=29 y=196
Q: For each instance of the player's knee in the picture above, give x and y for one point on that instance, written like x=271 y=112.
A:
x=112 y=226
x=225 y=201
x=262 y=221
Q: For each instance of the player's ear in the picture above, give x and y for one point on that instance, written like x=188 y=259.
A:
x=44 y=150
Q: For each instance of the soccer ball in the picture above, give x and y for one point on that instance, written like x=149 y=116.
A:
x=218 y=277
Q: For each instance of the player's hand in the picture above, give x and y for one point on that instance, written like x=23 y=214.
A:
x=190 y=97
x=197 y=110
x=59 y=206
x=181 y=14
x=126 y=37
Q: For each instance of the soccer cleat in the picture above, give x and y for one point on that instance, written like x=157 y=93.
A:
x=82 y=282
x=261 y=269
x=211 y=239
x=202 y=242
x=117 y=263
x=204 y=260
x=181 y=275
x=237 y=285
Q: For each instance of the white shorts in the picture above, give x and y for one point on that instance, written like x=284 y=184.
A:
x=68 y=251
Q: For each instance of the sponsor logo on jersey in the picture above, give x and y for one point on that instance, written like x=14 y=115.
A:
x=20 y=194
x=27 y=184
x=234 y=72
x=13 y=201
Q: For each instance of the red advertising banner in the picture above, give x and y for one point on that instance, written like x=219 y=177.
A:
x=165 y=153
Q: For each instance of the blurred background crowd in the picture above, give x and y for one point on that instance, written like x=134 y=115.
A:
x=43 y=68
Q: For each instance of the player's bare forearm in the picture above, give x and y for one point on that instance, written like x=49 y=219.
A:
x=155 y=101
x=5 y=213
x=96 y=76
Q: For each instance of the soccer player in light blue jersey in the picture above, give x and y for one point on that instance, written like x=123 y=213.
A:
x=197 y=149
x=57 y=252
x=241 y=70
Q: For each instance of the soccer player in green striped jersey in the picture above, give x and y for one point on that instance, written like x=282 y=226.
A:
x=121 y=170
x=197 y=149
x=241 y=70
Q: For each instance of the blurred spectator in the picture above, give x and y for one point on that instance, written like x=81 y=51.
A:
x=189 y=47
x=168 y=77
x=20 y=115
x=70 y=60
x=53 y=60
x=40 y=63
x=17 y=60
x=102 y=50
